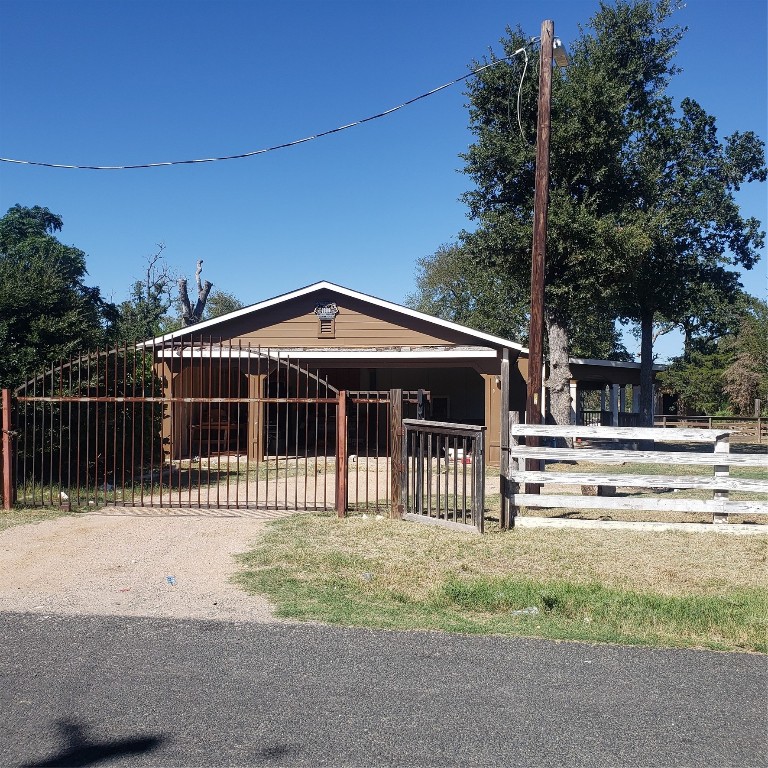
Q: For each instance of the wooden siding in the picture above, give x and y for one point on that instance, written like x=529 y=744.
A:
x=359 y=325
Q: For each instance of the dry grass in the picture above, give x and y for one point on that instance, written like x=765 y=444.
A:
x=685 y=589
x=417 y=556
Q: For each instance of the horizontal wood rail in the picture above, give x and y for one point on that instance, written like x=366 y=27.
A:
x=719 y=483
x=742 y=428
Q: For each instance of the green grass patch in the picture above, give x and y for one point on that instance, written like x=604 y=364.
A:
x=669 y=589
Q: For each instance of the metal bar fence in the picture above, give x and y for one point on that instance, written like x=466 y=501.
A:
x=175 y=423
x=439 y=457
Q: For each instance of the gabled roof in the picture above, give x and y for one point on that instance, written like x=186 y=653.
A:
x=364 y=297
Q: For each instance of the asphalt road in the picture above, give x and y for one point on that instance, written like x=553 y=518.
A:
x=150 y=692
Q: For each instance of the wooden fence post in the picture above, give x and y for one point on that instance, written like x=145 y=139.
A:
x=6 y=448
x=722 y=446
x=341 y=455
x=513 y=465
x=396 y=452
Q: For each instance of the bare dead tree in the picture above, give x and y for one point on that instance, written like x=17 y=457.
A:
x=189 y=315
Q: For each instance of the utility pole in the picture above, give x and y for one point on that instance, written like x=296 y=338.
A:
x=533 y=405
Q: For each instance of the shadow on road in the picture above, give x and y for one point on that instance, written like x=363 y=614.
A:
x=80 y=750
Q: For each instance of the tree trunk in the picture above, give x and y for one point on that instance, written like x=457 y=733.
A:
x=646 y=370
x=559 y=379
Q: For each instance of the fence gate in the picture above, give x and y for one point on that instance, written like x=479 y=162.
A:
x=444 y=473
x=176 y=424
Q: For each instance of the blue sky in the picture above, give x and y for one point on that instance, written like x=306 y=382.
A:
x=116 y=82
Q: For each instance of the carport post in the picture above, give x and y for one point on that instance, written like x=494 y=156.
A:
x=6 y=447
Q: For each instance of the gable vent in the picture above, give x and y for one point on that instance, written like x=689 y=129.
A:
x=326 y=319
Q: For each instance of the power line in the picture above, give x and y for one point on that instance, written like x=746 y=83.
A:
x=286 y=145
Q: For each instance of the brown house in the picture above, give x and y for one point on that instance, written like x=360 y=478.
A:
x=355 y=342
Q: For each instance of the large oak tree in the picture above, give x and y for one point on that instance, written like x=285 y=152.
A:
x=641 y=196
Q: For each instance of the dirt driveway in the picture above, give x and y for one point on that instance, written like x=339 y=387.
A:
x=132 y=562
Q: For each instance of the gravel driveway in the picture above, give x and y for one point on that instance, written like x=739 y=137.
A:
x=132 y=562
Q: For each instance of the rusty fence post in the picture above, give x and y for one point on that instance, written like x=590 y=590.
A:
x=396 y=451
x=341 y=455
x=6 y=449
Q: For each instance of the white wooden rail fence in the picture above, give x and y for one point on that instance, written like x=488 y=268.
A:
x=720 y=483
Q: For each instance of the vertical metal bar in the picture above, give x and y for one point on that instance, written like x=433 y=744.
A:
x=7 y=448
x=25 y=460
x=144 y=433
x=106 y=423
x=429 y=476
x=464 y=449
x=287 y=426
x=455 y=479
x=406 y=486
x=479 y=463
x=351 y=403
x=247 y=406
x=78 y=470
x=124 y=410
x=133 y=392
x=60 y=412
x=377 y=437
x=47 y=390
x=341 y=455
x=224 y=431
x=306 y=435
x=295 y=409
x=115 y=385
x=69 y=431
x=174 y=414
x=234 y=408
x=96 y=430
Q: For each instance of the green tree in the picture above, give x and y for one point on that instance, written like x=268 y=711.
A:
x=684 y=229
x=746 y=377
x=221 y=303
x=614 y=135
x=47 y=312
x=726 y=373
x=449 y=286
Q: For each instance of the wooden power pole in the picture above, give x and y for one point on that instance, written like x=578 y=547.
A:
x=534 y=406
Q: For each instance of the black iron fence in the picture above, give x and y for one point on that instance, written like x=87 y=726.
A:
x=444 y=473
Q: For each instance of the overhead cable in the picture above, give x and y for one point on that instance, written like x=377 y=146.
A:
x=286 y=145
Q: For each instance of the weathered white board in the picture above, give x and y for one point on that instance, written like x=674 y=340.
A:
x=640 y=457
x=621 y=433
x=643 y=481
x=710 y=506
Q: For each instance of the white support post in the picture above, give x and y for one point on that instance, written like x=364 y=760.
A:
x=722 y=446
x=615 y=405
x=513 y=465
x=574 y=400
x=635 y=398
